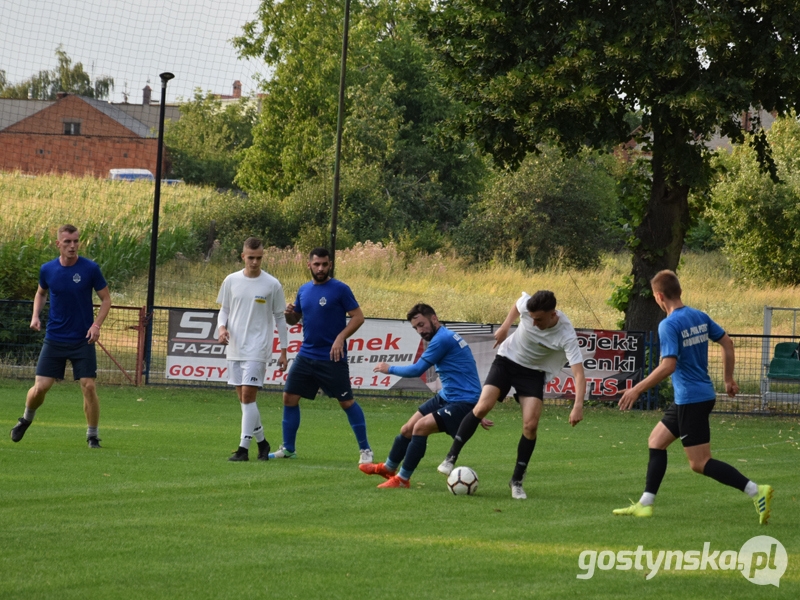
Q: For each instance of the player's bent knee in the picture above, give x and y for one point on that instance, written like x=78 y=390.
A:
x=529 y=431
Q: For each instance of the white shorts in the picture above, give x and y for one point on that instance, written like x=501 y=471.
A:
x=246 y=372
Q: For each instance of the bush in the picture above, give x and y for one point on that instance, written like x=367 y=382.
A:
x=758 y=218
x=553 y=210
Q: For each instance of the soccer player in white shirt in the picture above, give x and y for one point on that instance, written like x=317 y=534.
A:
x=252 y=305
x=531 y=356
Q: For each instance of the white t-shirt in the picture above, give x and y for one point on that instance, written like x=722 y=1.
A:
x=254 y=307
x=541 y=349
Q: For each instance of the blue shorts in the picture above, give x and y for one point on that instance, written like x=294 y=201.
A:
x=448 y=415
x=307 y=376
x=54 y=356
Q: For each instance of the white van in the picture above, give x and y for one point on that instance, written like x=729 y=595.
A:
x=130 y=175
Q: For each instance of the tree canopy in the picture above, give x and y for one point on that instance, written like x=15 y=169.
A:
x=65 y=77
x=207 y=143
x=572 y=71
x=400 y=167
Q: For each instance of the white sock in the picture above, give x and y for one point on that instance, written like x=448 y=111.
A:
x=751 y=489
x=647 y=499
x=29 y=414
x=249 y=419
x=258 y=432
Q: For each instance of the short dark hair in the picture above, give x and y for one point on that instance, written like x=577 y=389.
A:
x=667 y=283
x=319 y=252
x=542 y=300
x=253 y=243
x=421 y=309
x=67 y=228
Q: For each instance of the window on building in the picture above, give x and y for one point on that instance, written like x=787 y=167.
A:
x=71 y=128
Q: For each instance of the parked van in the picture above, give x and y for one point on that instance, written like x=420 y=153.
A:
x=130 y=175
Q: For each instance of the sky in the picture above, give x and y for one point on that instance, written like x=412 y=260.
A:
x=132 y=41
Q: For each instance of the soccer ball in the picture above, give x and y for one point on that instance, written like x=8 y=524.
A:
x=463 y=481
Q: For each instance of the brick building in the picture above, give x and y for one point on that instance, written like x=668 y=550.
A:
x=78 y=135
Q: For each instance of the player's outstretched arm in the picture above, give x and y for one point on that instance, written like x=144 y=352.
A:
x=659 y=374
x=579 y=375
x=292 y=317
x=105 y=305
x=728 y=362
x=502 y=332
x=38 y=303
x=356 y=321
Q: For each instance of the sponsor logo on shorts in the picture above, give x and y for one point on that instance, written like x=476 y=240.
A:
x=762 y=560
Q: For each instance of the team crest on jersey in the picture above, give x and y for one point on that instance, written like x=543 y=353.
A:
x=76 y=278
x=261 y=300
x=323 y=301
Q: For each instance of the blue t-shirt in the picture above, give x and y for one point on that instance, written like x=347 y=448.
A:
x=71 y=313
x=684 y=335
x=324 y=307
x=454 y=363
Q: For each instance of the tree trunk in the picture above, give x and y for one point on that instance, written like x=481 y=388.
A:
x=660 y=234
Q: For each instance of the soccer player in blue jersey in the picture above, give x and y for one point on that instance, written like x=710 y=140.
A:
x=684 y=336
x=461 y=388
x=72 y=330
x=323 y=304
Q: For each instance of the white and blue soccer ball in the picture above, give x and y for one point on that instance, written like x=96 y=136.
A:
x=463 y=481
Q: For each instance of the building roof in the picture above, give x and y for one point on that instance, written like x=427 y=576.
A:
x=13 y=110
x=141 y=119
x=120 y=116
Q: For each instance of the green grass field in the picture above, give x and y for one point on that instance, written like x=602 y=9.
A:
x=160 y=513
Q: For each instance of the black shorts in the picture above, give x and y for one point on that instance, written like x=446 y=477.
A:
x=505 y=373
x=54 y=356
x=307 y=376
x=689 y=422
x=448 y=415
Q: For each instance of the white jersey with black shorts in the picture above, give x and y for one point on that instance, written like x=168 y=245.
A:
x=530 y=357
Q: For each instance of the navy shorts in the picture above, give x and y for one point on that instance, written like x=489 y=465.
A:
x=505 y=373
x=448 y=415
x=307 y=376
x=689 y=422
x=54 y=356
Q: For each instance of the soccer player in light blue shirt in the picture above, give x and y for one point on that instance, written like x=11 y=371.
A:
x=684 y=337
x=461 y=387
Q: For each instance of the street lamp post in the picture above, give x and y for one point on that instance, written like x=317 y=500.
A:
x=339 y=125
x=151 y=277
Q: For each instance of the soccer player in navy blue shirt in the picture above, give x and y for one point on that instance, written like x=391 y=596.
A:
x=684 y=337
x=72 y=329
x=461 y=387
x=323 y=304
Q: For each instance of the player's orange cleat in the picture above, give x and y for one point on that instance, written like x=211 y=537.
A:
x=376 y=469
x=396 y=482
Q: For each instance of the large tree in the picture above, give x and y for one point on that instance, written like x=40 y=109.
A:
x=571 y=71
x=397 y=158
x=65 y=77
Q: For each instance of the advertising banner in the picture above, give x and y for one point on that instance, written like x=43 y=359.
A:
x=614 y=359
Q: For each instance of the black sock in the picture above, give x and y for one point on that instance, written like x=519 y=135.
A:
x=524 y=453
x=398 y=451
x=656 y=468
x=414 y=454
x=465 y=431
x=725 y=473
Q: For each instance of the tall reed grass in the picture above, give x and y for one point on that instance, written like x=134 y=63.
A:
x=115 y=220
